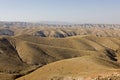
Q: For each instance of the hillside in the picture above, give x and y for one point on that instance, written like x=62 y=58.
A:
x=26 y=53
x=73 y=69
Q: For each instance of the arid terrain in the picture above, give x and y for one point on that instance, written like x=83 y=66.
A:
x=58 y=30
x=35 y=51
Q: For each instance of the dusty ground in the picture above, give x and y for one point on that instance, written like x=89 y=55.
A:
x=60 y=53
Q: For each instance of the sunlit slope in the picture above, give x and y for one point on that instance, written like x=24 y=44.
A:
x=72 y=69
x=100 y=53
x=85 y=45
x=22 y=54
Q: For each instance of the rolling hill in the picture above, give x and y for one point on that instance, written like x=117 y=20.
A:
x=28 y=57
x=34 y=51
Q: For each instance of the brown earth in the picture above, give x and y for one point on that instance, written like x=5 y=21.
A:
x=30 y=51
x=78 y=57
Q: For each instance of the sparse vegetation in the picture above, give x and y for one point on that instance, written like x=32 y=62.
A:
x=30 y=57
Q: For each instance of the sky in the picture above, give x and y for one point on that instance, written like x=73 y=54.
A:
x=74 y=11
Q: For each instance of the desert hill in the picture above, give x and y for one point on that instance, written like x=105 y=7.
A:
x=58 y=30
x=28 y=48
x=24 y=54
x=72 y=69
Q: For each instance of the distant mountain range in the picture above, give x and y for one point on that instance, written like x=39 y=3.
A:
x=49 y=29
x=55 y=23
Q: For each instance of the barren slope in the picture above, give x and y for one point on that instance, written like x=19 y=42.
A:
x=98 y=53
x=72 y=69
x=22 y=54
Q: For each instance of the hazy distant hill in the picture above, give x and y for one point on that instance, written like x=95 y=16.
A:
x=58 y=30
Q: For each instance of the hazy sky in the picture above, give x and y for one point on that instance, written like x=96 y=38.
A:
x=79 y=11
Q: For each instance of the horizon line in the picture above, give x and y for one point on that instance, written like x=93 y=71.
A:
x=53 y=22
